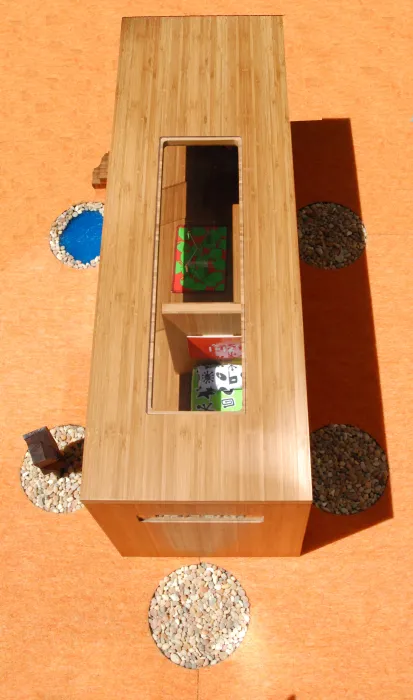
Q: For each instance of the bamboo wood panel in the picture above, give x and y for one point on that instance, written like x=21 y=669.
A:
x=279 y=534
x=216 y=77
x=163 y=380
x=164 y=384
x=236 y=253
x=181 y=320
x=174 y=166
x=100 y=174
x=204 y=318
x=173 y=153
x=173 y=207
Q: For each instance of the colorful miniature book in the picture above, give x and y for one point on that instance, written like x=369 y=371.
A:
x=208 y=347
x=200 y=259
x=216 y=388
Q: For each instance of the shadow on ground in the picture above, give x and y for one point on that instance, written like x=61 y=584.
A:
x=343 y=380
x=73 y=455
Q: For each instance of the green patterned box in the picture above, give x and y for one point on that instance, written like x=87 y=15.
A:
x=200 y=259
x=217 y=388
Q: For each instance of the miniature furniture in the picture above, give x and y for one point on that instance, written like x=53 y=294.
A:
x=201 y=136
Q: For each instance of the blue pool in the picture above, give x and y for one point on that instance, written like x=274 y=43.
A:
x=82 y=236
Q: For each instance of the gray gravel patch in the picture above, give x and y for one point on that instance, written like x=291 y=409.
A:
x=57 y=492
x=199 y=615
x=330 y=236
x=349 y=469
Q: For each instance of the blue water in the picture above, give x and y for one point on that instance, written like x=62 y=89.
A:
x=82 y=236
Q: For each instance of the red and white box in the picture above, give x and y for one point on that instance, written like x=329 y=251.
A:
x=208 y=347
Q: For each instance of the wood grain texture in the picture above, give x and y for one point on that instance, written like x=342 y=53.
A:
x=261 y=455
x=180 y=201
x=163 y=392
x=237 y=246
x=182 y=320
x=205 y=318
x=164 y=365
x=302 y=609
x=173 y=208
x=163 y=381
x=100 y=173
x=174 y=165
x=279 y=534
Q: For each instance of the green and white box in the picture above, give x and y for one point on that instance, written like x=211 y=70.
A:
x=217 y=387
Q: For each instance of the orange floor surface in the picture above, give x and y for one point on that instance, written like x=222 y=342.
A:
x=337 y=622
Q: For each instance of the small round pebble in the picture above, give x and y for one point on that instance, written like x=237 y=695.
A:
x=349 y=469
x=59 y=225
x=199 y=615
x=330 y=236
x=57 y=492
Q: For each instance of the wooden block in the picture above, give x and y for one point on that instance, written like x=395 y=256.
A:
x=100 y=174
x=42 y=447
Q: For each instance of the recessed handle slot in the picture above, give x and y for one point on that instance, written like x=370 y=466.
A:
x=202 y=519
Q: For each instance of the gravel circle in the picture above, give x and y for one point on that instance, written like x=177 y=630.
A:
x=199 y=615
x=349 y=469
x=57 y=492
x=330 y=236
x=59 y=226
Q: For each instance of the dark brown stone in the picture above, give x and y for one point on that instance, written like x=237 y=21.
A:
x=43 y=449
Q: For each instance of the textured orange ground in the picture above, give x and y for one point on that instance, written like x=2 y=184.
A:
x=338 y=622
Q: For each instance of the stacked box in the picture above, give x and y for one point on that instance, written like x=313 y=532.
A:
x=217 y=387
x=215 y=348
x=200 y=259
